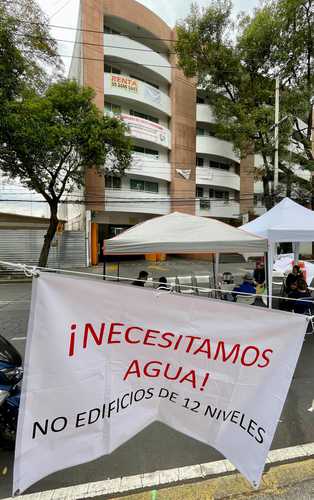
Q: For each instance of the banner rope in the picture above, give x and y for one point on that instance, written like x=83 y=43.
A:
x=34 y=271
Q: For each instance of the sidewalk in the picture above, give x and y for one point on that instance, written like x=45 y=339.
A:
x=294 y=481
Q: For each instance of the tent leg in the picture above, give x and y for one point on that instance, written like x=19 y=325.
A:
x=266 y=276
x=270 y=263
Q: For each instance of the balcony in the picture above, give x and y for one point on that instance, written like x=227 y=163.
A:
x=136 y=91
x=217 y=208
x=125 y=49
x=147 y=131
x=207 y=176
x=150 y=166
x=204 y=114
x=130 y=201
x=209 y=145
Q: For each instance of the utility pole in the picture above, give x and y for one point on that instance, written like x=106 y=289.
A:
x=276 y=162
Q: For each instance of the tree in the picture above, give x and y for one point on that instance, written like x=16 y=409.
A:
x=48 y=141
x=242 y=99
x=26 y=49
x=281 y=35
x=238 y=75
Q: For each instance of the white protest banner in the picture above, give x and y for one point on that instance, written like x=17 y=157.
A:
x=105 y=360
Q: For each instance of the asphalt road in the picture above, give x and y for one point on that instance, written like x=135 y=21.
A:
x=157 y=447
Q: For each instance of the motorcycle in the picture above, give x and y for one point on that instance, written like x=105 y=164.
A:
x=11 y=373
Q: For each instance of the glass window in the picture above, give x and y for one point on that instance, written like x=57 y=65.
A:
x=111 y=69
x=151 y=187
x=146 y=151
x=200 y=131
x=200 y=100
x=137 y=185
x=143 y=115
x=199 y=192
x=112 y=108
x=219 y=195
x=113 y=182
x=145 y=81
x=221 y=166
x=199 y=161
x=110 y=31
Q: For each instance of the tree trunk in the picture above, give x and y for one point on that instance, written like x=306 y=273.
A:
x=53 y=224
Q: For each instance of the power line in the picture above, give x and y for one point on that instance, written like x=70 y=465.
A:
x=60 y=9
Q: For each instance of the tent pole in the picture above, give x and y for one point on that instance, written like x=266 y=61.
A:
x=270 y=263
x=214 y=275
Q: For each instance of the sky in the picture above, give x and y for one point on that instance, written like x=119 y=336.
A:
x=64 y=13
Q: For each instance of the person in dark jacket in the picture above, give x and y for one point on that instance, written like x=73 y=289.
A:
x=163 y=284
x=292 y=278
x=247 y=287
x=142 y=277
x=302 y=294
x=259 y=273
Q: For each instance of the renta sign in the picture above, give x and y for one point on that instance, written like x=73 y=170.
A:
x=106 y=360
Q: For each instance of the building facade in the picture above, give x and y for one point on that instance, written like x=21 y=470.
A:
x=125 y=53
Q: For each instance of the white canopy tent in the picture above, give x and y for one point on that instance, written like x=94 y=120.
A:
x=178 y=233
x=286 y=222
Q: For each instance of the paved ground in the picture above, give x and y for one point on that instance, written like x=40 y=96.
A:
x=149 y=450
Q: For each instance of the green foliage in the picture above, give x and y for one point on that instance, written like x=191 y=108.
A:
x=26 y=49
x=237 y=74
x=48 y=141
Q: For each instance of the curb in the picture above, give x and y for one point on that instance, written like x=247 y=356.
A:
x=15 y=280
x=171 y=477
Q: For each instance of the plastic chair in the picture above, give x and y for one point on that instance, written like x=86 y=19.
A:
x=186 y=280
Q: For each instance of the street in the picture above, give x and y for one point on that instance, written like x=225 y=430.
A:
x=149 y=450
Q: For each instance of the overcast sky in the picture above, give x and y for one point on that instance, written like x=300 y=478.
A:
x=64 y=13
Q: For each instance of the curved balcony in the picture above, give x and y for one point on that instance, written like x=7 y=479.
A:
x=204 y=114
x=156 y=204
x=219 y=209
x=136 y=91
x=209 y=145
x=215 y=177
x=145 y=130
x=149 y=166
x=126 y=49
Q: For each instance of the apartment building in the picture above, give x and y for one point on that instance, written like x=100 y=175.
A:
x=124 y=52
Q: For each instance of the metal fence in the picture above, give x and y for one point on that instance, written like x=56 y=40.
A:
x=24 y=245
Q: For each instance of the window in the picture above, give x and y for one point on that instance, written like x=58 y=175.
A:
x=143 y=115
x=199 y=192
x=151 y=187
x=111 y=69
x=200 y=100
x=113 y=182
x=199 y=161
x=200 y=131
x=221 y=166
x=145 y=81
x=219 y=195
x=139 y=185
x=145 y=151
x=110 y=31
x=114 y=109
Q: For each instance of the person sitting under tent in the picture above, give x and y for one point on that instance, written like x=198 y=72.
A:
x=163 y=284
x=292 y=278
x=247 y=287
x=142 y=277
x=259 y=273
x=303 y=303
